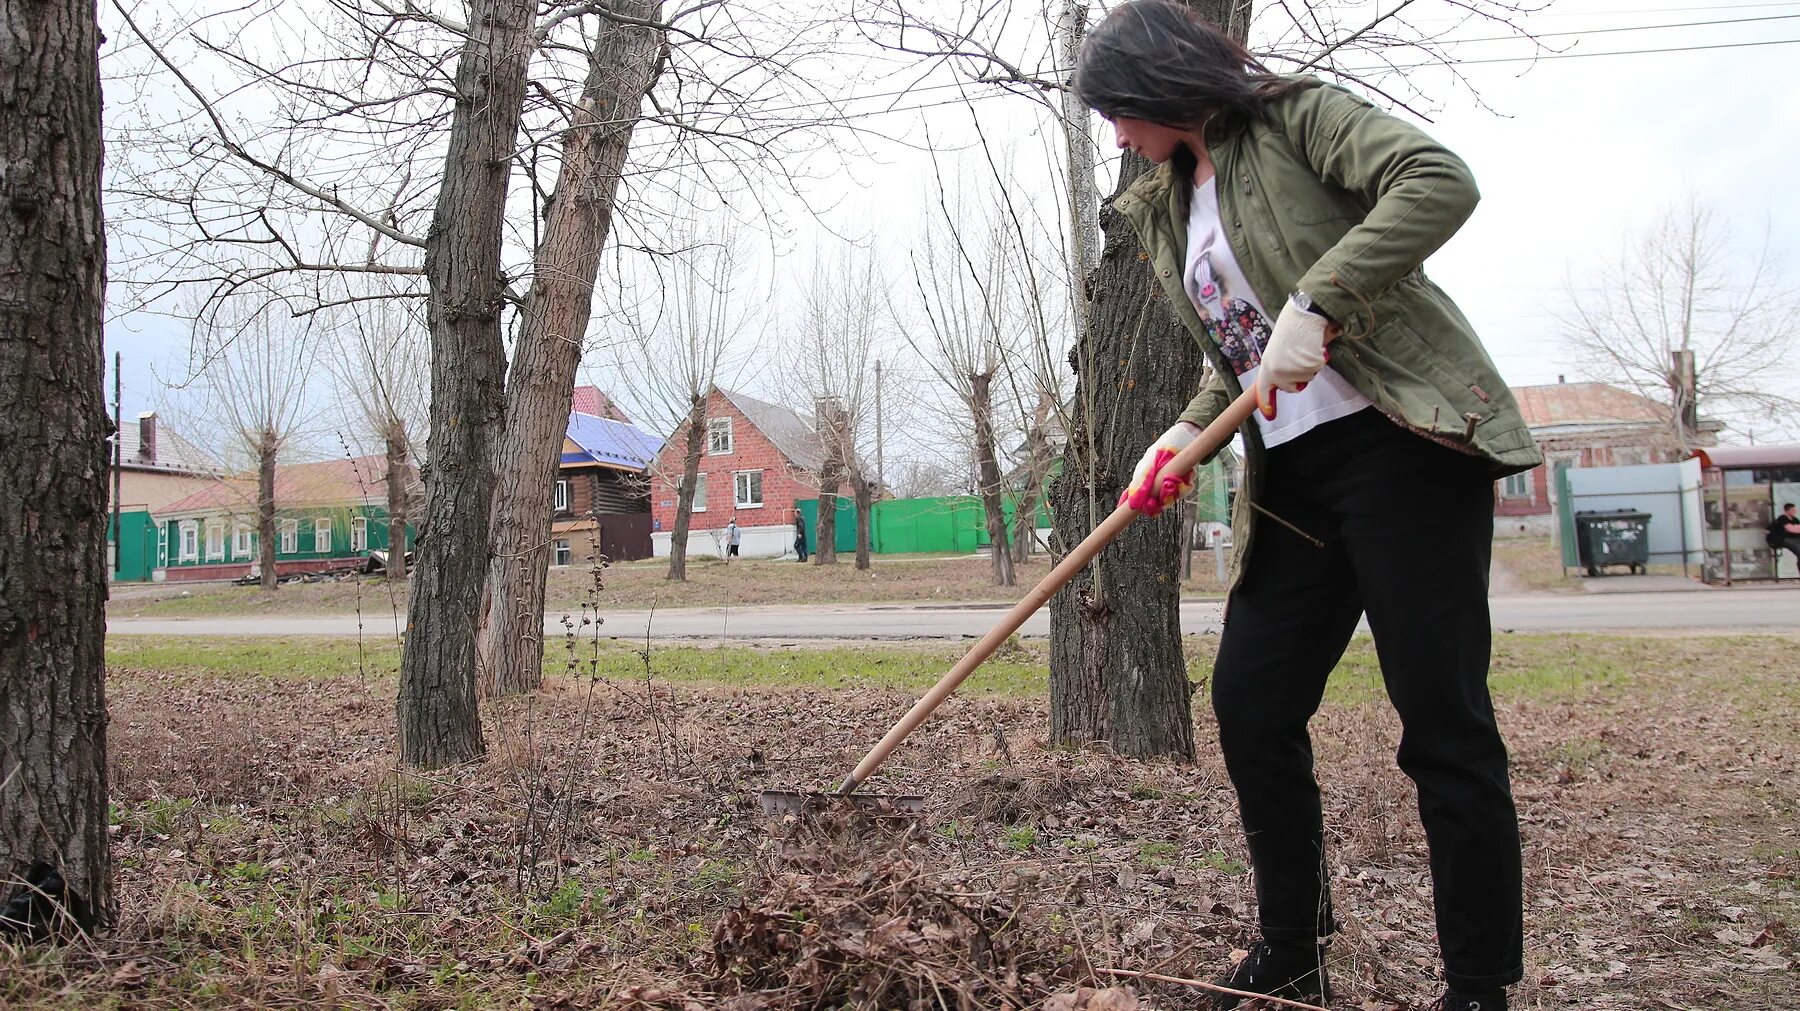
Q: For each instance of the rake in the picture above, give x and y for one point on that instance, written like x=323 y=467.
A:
x=776 y=802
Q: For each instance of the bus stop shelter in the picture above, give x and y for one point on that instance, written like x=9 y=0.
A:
x=1742 y=488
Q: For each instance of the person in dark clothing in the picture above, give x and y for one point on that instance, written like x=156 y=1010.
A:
x=1784 y=532
x=1285 y=212
x=799 y=535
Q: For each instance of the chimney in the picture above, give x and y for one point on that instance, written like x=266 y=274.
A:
x=1559 y=379
x=147 y=437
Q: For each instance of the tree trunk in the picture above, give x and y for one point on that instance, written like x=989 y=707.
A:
x=684 y=495
x=987 y=467
x=831 y=476
x=267 y=451
x=53 y=430
x=397 y=473
x=621 y=66
x=1037 y=465
x=864 y=490
x=439 y=722
x=1117 y=674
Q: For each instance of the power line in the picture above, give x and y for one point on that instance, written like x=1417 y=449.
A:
x=1604 y=31
x=1571 y=56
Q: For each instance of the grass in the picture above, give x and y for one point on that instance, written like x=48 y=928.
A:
x=1534 y=562
x=750 y=582
x=1524 y=666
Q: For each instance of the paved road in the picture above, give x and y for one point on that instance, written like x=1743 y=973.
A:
x=1691 y=610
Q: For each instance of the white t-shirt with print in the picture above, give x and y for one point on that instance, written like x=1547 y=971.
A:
x=1238 y=323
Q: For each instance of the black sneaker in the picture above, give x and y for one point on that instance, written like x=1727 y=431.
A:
x=1291 y=971
x=1494 y=1000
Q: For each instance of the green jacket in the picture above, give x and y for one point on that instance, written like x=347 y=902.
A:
x=1338 y=199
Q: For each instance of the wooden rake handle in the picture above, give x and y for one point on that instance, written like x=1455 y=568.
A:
x=1205 y=444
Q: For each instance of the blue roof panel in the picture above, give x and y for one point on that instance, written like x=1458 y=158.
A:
x=613 y=442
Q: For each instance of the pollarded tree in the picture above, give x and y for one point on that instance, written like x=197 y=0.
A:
x=623 y=60
x=676 y=349
x=252 y=380
x=1682 y=297
x=55 y=869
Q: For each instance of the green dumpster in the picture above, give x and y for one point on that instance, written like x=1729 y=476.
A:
x=1613 y=537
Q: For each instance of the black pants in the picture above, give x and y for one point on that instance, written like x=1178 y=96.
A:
x=800 y=547
x=1407 y=531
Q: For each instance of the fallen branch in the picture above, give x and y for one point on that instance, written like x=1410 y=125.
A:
x=1214 y=987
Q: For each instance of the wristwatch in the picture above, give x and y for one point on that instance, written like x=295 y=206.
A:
x=1304 y=302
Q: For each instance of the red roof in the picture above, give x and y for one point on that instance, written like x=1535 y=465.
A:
x=327 y=483
x=1586 y=404
x=1749 y=457
x=592 y=400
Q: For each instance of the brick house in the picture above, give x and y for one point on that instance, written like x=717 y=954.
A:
x=1584 y=425
x=602 y=488
x=328 y=517
x=760 y=460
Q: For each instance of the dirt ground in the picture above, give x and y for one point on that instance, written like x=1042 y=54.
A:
x=747 y=582
x=610 y=854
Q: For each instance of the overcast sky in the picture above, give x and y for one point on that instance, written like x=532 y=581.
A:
x=1572 y=155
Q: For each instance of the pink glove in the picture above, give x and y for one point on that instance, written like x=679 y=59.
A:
x=1151 y=489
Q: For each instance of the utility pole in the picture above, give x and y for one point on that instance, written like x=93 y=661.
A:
x=118 y=532
x=880 y=477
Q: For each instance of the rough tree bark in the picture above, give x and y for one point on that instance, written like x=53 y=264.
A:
x=397 y=452
x=267 y=449
x=987 y=467
x=621 y=67
x=831 y=477
x=53 y=429
x=1117 y=675
x=864 y=490
x=1038 y=458
x=684 y=495
x=439 y=722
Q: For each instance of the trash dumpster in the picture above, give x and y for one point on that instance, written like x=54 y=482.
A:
x=1613 y=537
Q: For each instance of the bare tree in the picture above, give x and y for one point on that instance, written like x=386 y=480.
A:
x=673 y=353
x=971 y=326
x=382 y=364
x=252 y=386
x=55 y=869
x=1692 y=321
x=622 y=66
x=439 y=722
x=831 y=357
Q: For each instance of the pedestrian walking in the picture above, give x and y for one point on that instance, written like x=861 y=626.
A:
x=799 y=535
x=1283 y=212
x=733 y=538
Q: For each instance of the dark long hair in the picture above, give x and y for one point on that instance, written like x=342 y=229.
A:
x=1160 y=61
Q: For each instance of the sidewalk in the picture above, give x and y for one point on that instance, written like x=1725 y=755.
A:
x=1665 y=583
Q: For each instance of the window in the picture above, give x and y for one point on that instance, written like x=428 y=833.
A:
x=190 y=540
x=290 y=537
x=359 y=534
x=699 y=493
x=749 y=488
x=215 y=540
x=562 y=552
x=718 y=435
x=240 y=541
x=321 y=537
x=1516 y=486
x=562 y=495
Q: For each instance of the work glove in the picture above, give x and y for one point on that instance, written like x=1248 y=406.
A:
x=1294 y=355
x=1151 y=489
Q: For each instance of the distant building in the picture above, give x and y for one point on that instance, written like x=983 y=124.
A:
x=156 y=467
x=759 y=461
x=328 y=516
x=602 y=492
x=1585 y=425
